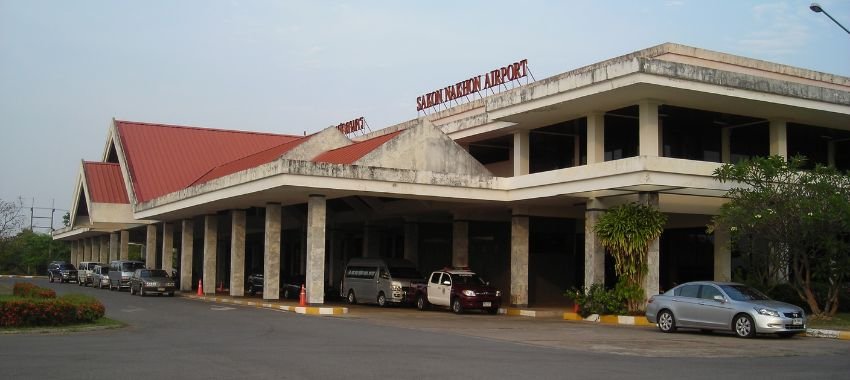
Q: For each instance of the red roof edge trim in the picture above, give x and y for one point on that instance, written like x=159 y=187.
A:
x=349 y=154
x=117 y=122
x=249 y=161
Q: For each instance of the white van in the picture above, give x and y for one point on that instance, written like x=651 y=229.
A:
x=380 y=280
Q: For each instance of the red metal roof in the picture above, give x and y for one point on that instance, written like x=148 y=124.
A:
x=105 y=182
x=250 y=161
x=164 y=158
x=349 y=154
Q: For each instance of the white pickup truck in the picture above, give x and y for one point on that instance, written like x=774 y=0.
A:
x=458 y=289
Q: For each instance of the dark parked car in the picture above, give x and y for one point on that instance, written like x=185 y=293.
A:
x=709 y=305
x=61 y=271
x=151 y=281
x=100 y=276
x=290 y=286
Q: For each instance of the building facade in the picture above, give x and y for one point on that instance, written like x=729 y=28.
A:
x=509 y=184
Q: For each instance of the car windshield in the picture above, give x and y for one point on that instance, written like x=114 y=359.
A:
x=66 y=266
x=467 y=279
x=130 y=267
x=154 y=273
x=743 y=293
x=405 y=272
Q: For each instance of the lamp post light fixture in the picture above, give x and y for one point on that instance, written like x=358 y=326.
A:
x=815 y=7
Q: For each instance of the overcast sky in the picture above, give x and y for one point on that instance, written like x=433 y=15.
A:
x=68 y=67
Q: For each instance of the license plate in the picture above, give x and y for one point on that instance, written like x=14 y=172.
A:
x=797 y=321
x=485 y=304
x=160 y=289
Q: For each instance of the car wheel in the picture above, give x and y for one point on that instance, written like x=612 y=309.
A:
x=666 y=321
x=132 y=291
x=744 y=326
x=456 y=306
x=351 y=298
x=251 y=291
x=287 y=293
x=141 y=291
x=382 y=299
x=493 y=310
x=421 y=302
x=50 y=278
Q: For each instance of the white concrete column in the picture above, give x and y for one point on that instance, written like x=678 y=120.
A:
x=722 y=254
x=73 y=258
x=460 y=243
x=87 y=250
x=595 y=137
x=726 y=145
x=124 y=249
x=113 y=246
x=778 y=138
x=150 y=247
x=521 y=153
x=187 y=247
x=651 y=283
x=210 y=250
x=411 y=241
x=594 y=252
x=104 y=249
x=519 y=260
x=237 y=253
x=167 y=247
x=316 y=221
x=649 y=131
x=271 y=253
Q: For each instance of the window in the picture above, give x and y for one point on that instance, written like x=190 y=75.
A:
x=435 y=278
x=361 y=272
x=688 y=291
x=708 y=292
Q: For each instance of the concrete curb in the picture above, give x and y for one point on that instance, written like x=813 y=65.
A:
x=514 y=312
x=17 y=276
x=307 y=310
x=829 y=334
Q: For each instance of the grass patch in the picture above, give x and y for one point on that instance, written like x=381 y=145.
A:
x=840 y=321
x=103 y=323
x=5 y=290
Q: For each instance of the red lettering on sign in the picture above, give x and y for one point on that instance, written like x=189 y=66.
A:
x=493 y=78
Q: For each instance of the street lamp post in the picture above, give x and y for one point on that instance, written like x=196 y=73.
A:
x=815 y=7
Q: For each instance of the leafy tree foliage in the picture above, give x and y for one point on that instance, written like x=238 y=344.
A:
x=795 y=223
x=626 y=231
x=29 y=252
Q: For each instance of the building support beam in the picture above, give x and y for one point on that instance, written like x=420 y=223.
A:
x=316 y=227
x=210 y=251
x=150 y=247
x=649 y=130
x=519 y=260
x=167 y=247
x=87 y=250
x=104 y=249
x=271 y=253
x=594 y=252
x=460 y=243
x=778 y=138
x=411 y=241
x=521 y=153
x=595 y=138
x=73 y=252
x=237 y=253
x=124 y=250
x=113 y=246
x=651 y=283
x=722 y=254
x=187 y=247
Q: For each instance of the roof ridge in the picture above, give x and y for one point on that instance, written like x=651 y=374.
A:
x=387 y=136
x=203 y=128
x=299 y=139
x=100 y=162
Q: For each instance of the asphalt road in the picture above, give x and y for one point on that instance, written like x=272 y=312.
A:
x=184 y=339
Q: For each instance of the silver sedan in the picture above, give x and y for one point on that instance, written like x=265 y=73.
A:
x=709 y=305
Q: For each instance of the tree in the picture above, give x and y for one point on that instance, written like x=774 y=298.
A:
x=626 y=232
x=795 y=223
x=66 y=219
x=10 y=219
x=29 y=253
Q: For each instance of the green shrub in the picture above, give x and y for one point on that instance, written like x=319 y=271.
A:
x=598 y=300
x=65 y=310
x=29 y=290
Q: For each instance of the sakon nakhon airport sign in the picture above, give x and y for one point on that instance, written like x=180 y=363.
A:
x=472 y=85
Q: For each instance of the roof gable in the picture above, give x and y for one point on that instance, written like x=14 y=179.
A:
x=351 y=153
x=104 y=182
x=161 y=159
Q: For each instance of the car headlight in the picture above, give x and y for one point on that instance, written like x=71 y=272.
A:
x=766 y=311
x=498 y=293
x=469 y=293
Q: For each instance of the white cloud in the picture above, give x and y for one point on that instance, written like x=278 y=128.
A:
x=779 y=30
x=674 y=3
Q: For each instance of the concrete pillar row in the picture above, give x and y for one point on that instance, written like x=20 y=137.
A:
x=651 y=283
x=113 y=246
x=316 y=228
x=167 y=247
x=271 y=252
x=104 y=249
x=722 y=254
x=187 y=246
x=124 y=249
x=519 y=260
x=210 y=249
x=595 y=137
x=521 y=153
x=237 y=253
x=86 y=250
x=778 y=138
x=649 y=129
x=411 y=241
x=460 y=243
x=150 y=247
x=594 y=252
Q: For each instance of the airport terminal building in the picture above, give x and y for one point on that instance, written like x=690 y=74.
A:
x=508 y=183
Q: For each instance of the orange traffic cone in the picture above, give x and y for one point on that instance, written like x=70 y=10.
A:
x=221 y=286
x=302 y=299
x=200 y=288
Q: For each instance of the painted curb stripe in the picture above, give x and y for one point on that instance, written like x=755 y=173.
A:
x=296 y=309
